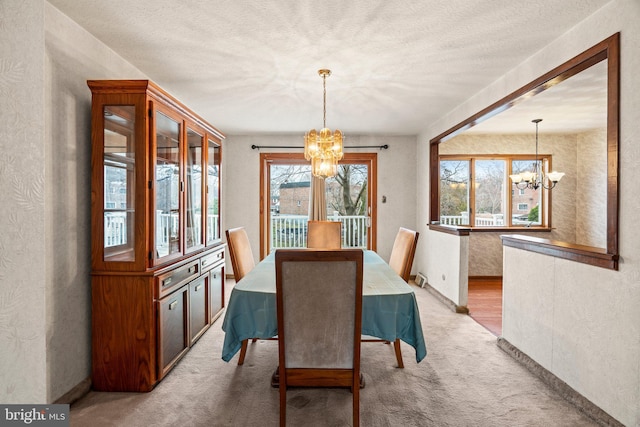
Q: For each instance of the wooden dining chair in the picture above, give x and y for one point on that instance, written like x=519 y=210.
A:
x=319 y=309
x=403 y=252
x=242 y=262
x=324 y=234
x=401 y=261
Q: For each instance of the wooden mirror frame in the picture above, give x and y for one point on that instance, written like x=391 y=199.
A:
x=608 y=258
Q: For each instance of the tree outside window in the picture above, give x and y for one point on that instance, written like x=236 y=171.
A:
x=489 y=184
x=454 y=192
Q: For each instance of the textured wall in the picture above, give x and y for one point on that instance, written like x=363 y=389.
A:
x=448 y=272
x=45 y=321
x=72 y=57
x=591 y=209
x=578 y=321
x=23 y=309
x=396 y=181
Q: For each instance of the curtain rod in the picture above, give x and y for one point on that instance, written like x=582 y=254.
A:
x=380 y=147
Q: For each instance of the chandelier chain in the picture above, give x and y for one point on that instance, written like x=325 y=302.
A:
x=324 y=100
x=535 y=166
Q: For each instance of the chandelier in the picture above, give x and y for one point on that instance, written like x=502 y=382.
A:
x=323 y=148
x=535 y=179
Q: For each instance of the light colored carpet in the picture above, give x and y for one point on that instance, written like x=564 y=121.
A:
x=465 y=380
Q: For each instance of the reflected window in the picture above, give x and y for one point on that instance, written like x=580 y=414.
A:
x=119 y=182
x=167 y=186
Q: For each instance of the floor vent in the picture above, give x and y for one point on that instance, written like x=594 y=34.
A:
x=421 y=280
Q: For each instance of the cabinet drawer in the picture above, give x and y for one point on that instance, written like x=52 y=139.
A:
x=209 y=261
x=216 y=289
x=172 y=329
x=169 y=281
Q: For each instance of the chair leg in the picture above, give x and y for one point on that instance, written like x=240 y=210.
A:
x=243 y=352
x=356 y=406
x=396 y=345
x=283 y=405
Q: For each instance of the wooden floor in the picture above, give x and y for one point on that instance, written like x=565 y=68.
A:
x=485 y=303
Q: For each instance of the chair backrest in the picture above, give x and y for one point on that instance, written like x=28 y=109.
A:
x=319 y=308
x=242 y=260
x=324 y=234
x=404 y=249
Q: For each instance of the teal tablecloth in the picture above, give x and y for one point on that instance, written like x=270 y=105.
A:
x=389 y=308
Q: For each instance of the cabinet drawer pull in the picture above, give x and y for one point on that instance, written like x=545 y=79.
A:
x=198 y=288
x=166 y=281
x=205 y=263
x=173 y=304
x=192 y=269
x=215 y=275
x=220 y=254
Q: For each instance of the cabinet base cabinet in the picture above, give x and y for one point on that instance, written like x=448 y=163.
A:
x=216 y=276
x=124 y=333
x=173 y=322
x=198 y=308
x=144 y=323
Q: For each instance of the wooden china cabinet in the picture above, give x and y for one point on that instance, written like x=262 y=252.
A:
x=157 y=253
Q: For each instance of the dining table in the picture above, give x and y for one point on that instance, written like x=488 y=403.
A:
x=389 y=307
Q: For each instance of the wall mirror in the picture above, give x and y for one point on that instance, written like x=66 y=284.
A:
x=578 y=103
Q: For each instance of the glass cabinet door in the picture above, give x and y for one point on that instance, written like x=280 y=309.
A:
x=213 y=192
x=119 y=182
x=167 y=186
x=193 y=219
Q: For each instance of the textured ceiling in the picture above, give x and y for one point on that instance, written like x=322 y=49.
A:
x=250 y=67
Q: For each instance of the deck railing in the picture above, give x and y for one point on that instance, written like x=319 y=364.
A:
x=491 y=220
x=115 y=227
x=290 y=231
x=287 y=231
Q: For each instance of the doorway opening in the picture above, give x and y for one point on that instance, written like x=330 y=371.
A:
x=484 y=301
x=285 y=191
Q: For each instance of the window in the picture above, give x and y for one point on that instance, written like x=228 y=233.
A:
x=454 y=192
x=474 y=192
x=488 y=189
x=284 y=193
